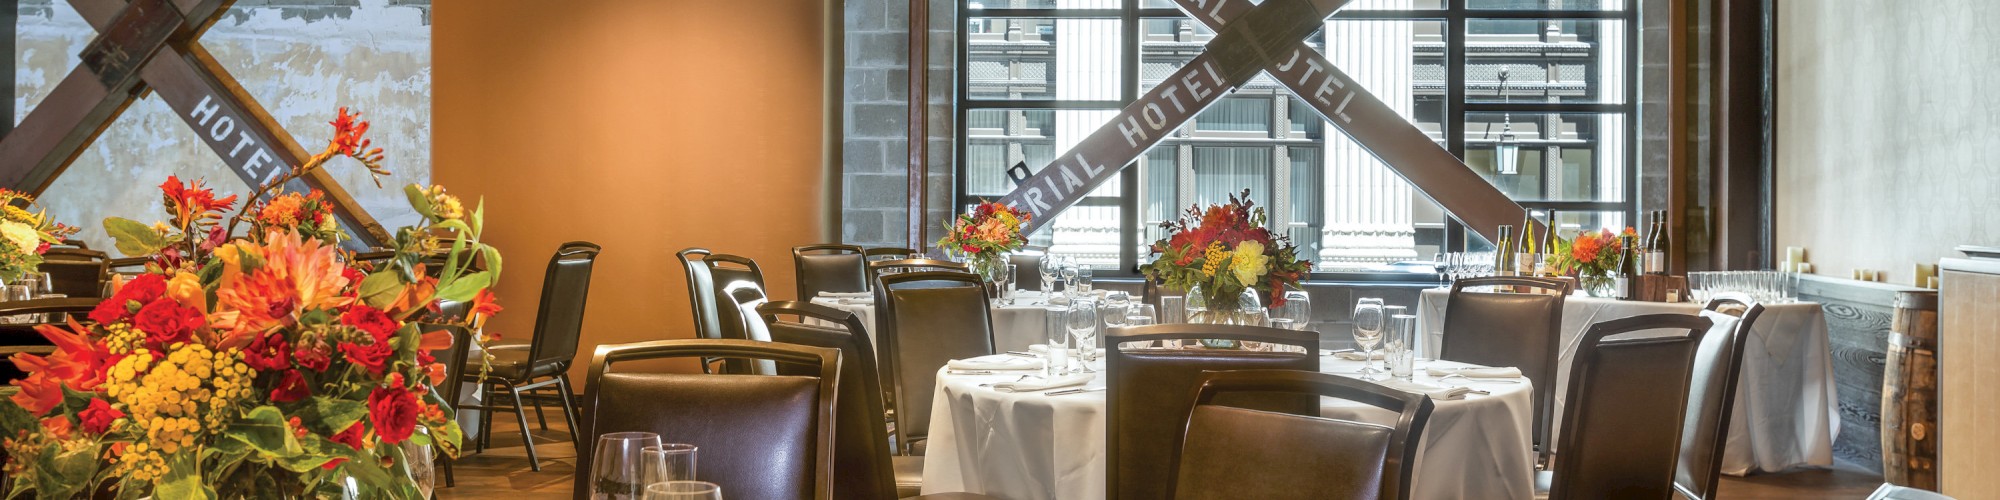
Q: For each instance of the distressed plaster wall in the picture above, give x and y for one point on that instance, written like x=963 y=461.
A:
x=301 y=59
x=1887 y=118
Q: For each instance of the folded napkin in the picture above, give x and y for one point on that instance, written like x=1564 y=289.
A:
x=1440 y=393
x=1058 y=300
x=1038 y=348
x=847 y=295
x=1476 y=372
x=1043 y=384
x=1356 y=356
x=996 y=362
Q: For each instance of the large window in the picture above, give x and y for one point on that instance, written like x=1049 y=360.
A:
x=1537 y=96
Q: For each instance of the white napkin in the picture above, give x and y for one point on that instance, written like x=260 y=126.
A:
x=1356 y=356
x=1439 y=393
x=1059 y=300
x=851 y=302
x=847 y=295
x=1035 y=385
x=996 y=362
x=1038 y=348
x=1476 y=372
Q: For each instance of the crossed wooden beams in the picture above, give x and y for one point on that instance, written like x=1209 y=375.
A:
x=152 y=45
x=1264 y=38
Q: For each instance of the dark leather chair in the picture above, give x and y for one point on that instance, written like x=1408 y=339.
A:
x=1718 y=363
x=744 y=298
x=925 y=320
x=876 y=267
x=1146 y=389
x=1621 y=423
x=1521 y=330
x=1233 y=452
x=830 y=268
x=708 y=274
x=545 y=360
x=1027 y=268
x=77 y=272
x=761 y=436
x=889 y=253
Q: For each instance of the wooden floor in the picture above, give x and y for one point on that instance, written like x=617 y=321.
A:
x=502 y=472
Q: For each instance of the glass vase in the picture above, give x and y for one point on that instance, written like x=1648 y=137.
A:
x=1602 y=286
x=987 y=265
x=1245 y=310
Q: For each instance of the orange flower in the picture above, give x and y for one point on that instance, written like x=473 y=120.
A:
x=282 y=210
x=348 y=130
x=484 y=305
x=77 y=363
x=295 y=275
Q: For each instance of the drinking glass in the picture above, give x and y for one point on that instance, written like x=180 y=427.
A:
x=1055 y=330
x=1173 y=309
x=1068 y=277
x=1296 y=314
x=1440 y=264
x=1013 y=283
x=1138 y=312
x=683 y=490
x=1116 y=306
x=1399 y=349
x=669 y=462
x=616 y=467
x=1083 y=275
x=1082 y=323
x=1050 y=269
x=1368 y=323
x=44 y=284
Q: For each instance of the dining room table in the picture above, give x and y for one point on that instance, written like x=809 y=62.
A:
x=1785 y=413
x=1050 y=443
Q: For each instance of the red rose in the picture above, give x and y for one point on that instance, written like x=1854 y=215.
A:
x=354 y=437
x=166 y=322
x=371 y=320
x=144 y=290
x=269 y=352
x=312 y=356
x=372 y=356
x=394 y=412
x=292 y=387
x=971 y=249
x=110 y=311
x=99 y=416
x=354 y=277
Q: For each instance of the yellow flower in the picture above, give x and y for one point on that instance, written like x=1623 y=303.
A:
x=22 y=235
x=1249 y=262
x=185 y=288
x=1212 y=259
x=23 y=215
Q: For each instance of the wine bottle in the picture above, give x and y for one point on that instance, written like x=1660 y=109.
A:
x=1628 y=271
x=1549 y=241
x=1526 y=257
x=1656 y=250
x=1503 y=252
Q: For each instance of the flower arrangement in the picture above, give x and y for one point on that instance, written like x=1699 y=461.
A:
x=267 y=366
x=1593 y=257
x=983 y=235
x=1226 y=250
x=25 y=235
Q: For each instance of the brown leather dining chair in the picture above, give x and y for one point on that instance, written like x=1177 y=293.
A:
x=829 y=268
x=889 y=253
x=760 y=436
x=1621 y=422
x=877 y=268
x=545 y=360
x=925 y=320
x=1522 y=330
x=1230 y=452
x=1146 y=389
x=76 y=272
x=1718 y=364
x=708 y=274
x=1028 y=267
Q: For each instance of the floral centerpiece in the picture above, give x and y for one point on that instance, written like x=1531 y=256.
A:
x=983 y=237
x=1220 y=255
x=271 y=365
x=1594 y=258
x=25 y=235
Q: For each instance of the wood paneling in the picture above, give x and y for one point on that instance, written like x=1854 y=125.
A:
x=1969 y=378
x=1858 y=317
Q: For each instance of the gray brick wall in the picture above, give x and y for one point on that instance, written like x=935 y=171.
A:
x=875 y=126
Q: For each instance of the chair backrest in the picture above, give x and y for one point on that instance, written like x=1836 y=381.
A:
x=565 y=292
x=1712 y=394
x=879 y=268
x=861 y=464
x=1147 y=389
x=830 y=268
x=1621 y=423
x=744 y=298
x=761 y=436
x=890 y=253
x=453 y=357
x=1297 y=456
x=924 y=320
x=1522 y=330
x=76 y=272
x=1027 y=269
x=708 y=274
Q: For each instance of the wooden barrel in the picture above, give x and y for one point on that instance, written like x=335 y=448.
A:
x=1909 y=394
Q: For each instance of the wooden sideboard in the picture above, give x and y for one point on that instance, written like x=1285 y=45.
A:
x=1969 y=377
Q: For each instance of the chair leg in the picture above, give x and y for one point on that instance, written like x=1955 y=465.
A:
x=540 y=417
x=527 y=439
x=444 y=462
x=569 y=408
x=485 y=416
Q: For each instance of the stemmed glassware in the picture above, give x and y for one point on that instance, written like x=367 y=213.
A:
x=617 y=469
x=1369 y=320
x=1050 y=269
x=1296 y=314
x=668 y=462
x=1068 y=268
x=1082 y=322
x=1115 y=308
x=1142 y=315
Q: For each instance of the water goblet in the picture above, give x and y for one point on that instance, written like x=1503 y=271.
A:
x=617 y=467
x=1369 y=320
x=1082 y=322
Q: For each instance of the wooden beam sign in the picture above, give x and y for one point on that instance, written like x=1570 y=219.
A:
x=1265 y=38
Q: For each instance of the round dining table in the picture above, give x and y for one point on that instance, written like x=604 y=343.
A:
x=1033 y=445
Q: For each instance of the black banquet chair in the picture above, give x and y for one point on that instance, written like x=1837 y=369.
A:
x=546 y=359
x=708 y=275
x=1230 y=452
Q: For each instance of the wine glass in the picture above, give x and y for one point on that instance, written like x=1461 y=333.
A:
x=1116 y=306
x=617 y=466
x=1082 y=322
x=669 y=462
x=683 y=490
x=1141 y=315
x=1050 y=269
x=1068 y=277
x=1368 y=322
x=1296 y=314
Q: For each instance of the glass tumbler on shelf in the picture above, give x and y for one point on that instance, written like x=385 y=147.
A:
x=1055 y=331
x=617 y=465
x=1368 y=323
x=1399 y=349
x=683 y=490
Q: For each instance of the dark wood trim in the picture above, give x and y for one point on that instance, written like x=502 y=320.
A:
x=1740 y=134
x=1679 y=146
x=919 y=95
x=833 y=151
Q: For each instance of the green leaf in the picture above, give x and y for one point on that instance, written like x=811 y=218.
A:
x=316 y=454
x=264 y=428
x=478 y=217
x=378 y=289
x=463 y=288
x=183 y=480
x=135 y=239
x=419 y=201
x=221 y=456
x=332 y=415
x=492 y=259
x=65 y=474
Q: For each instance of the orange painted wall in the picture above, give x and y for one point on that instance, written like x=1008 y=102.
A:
x=645 y=126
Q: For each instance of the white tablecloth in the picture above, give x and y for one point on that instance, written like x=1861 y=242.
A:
x=1031 y=446
x=1785 y=413
x=1015 y=326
